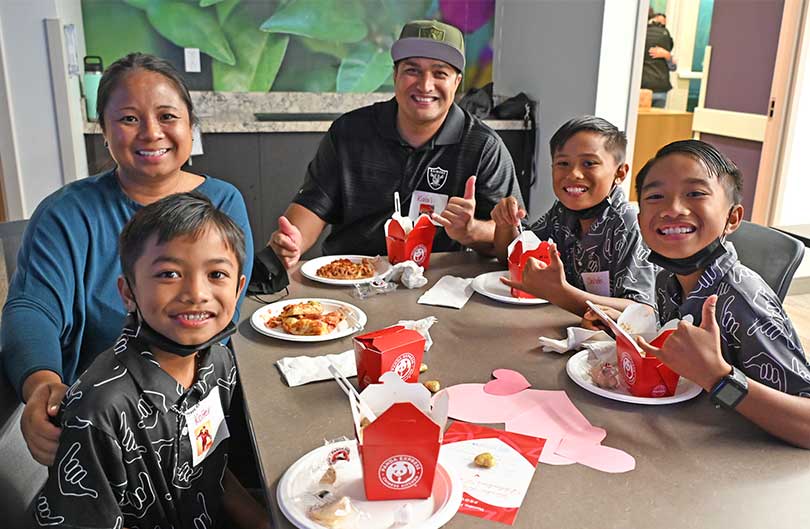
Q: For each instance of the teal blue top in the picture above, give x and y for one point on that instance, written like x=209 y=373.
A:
x=63 y=306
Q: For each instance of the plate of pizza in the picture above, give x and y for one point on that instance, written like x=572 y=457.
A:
x=308 y=320
x=345 y=269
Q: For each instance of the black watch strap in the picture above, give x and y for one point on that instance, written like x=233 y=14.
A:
x=730 y=390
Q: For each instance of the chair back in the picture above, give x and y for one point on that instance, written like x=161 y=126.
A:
x=22 y=477
x=773 y=255
x=11 y=237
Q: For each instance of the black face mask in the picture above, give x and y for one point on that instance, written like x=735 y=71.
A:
x=689 y=265
x=153 y=338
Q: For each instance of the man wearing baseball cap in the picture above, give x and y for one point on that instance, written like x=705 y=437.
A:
x=438 y=157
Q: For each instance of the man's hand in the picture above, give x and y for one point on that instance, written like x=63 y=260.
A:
x=41 y=436
x=286 y=242
x=694 y=352
x=458 y=218
x=657 y=52
x=543 y=280
x=594 y=323
x=507 y=212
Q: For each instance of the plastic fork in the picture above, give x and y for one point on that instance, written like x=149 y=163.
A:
x=349 y=390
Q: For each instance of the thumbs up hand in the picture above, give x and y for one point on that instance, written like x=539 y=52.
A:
x=286 y=242
x=694 y=352
x=458 y=218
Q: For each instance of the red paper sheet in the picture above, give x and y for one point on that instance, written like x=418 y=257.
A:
x=491 y=493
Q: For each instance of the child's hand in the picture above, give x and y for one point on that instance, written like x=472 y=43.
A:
x=592 y=322
x=542 y=280
x=507 y=212
x=694 y=352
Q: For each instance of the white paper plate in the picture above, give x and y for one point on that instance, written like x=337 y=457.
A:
x=577 y=369
x=298 y=481
x=310 y=269
x=489 y=285
x=344 y=328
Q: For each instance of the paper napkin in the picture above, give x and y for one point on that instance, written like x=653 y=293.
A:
x=299 y=370
x=449 y=291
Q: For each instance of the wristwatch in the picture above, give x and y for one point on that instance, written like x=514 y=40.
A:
x=731 y=389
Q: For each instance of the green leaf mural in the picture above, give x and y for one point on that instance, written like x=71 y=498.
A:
x=224 y=9
x=335 y=49
x=258 y=56
x=206 y=3
x=189 y=26
x=102 y=36
x=329 y=20
x=365 y=69
x=305 y=71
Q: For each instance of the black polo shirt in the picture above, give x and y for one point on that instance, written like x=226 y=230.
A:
x=362 y=161
x=124 y=455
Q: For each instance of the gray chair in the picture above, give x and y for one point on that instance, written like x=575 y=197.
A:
x=774 y=255
x=21 y=476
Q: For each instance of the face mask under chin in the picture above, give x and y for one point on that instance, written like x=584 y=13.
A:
x=151 y=337
x=689 y=265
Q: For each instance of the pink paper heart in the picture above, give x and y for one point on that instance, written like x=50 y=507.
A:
x=507 y=382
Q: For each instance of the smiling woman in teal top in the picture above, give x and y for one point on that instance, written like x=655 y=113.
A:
x=63 y=306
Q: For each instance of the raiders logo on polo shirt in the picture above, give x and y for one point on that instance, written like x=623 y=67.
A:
x=436 y=177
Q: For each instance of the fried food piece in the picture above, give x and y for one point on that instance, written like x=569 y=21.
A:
x=329 y=477
x=347 y=269
x=484 y=460
x=432 y=385
x=333 y=514
x=306 y=326
x=364 y=422
x=423 y=367
x=309 y=308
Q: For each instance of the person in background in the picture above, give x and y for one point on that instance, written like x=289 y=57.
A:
x=63 y=306
x=597 y=253
x=440 y=159
x=742 y=348
x=658 y=61
x=145 y=427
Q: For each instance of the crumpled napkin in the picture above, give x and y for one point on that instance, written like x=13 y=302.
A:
x=299 y=370
x=410 y=274
x=422 y=327
x=578 y=338
x=449 y=291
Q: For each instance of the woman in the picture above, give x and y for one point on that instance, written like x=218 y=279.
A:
x=63 y=306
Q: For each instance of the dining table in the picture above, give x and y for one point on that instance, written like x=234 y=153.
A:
x=697 y=466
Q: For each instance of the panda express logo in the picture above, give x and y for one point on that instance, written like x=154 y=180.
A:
x=400 y=472
x=629 y=368
x=419 y=253
x=404 y=365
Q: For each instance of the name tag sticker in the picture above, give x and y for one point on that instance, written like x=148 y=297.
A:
x=206 y=426
x=597 y=283
x=425 y=203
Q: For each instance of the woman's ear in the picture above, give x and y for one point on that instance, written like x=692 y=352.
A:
x=126 y=294
x=735 y=218
x=621 y=173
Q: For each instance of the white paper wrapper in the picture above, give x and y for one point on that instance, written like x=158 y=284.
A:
x=299 y=370
x=449 y=291
x=410 y=274
x=422 y=327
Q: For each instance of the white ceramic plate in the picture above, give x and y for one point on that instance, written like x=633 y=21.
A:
x=301 y=480
x=577 y=369
x=489 y=285
x=310 y=269
x=344 y=328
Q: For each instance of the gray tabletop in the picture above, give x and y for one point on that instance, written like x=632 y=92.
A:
x=696 y=466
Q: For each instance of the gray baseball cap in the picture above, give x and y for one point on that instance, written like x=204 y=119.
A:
x=431 y=39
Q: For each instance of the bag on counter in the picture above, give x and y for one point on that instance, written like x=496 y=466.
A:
x=269 y=275
x=522 y=107
x=478 y=101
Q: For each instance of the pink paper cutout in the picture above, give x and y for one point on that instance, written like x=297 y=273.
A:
x=507 y=382
x=596 y=456
x=570 y=437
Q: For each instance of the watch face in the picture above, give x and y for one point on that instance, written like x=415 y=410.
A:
x=729 y=395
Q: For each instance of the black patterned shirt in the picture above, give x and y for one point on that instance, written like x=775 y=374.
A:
x=756 y=335
x=124 y=458
x=612 y=244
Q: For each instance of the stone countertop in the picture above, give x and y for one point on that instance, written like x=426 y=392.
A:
x=226 y=112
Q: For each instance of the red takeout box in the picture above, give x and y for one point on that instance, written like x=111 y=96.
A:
x=524 y=246
x=399 y=450
x=645 y=376
x=394 y=349
x=414 y=246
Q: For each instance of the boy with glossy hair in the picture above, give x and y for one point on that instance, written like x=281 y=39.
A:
x=144 y=441
x=742 y=348
x=598 y=254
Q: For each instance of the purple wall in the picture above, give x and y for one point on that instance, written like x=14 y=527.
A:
x=744 y=37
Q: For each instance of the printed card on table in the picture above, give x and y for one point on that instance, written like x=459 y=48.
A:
x=494 y=493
